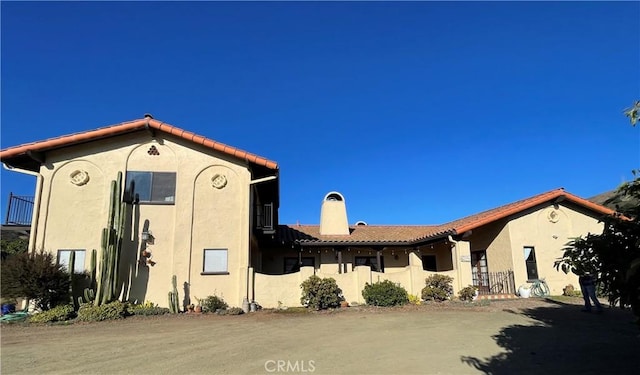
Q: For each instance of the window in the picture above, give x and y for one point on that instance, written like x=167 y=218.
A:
x=429 y=263
x=371 y=262
x=215 y=262
x=292 y=265
x=156 y=187
x=480 y=270
x=78 y=265
x=530 y=262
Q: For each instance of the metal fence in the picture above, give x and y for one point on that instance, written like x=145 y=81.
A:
x=496 y=283
x=19 y=210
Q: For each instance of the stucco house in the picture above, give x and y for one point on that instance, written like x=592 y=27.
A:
x=497 y=250
x=202 y=205
x=208 y=213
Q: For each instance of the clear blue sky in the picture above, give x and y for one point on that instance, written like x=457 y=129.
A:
x=417 y=112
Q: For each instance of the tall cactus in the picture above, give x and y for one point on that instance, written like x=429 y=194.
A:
x=111 y=245
x=174 y=302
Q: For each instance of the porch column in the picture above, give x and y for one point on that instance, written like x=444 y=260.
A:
x=339 y=260
x=461 y=253
x=378 y=250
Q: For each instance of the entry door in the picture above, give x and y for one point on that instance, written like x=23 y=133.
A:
x=480 y=273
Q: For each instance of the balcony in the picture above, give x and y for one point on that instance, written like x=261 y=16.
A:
x=19 y=210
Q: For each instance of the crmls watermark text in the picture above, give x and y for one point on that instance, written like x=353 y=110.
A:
x=282 y=365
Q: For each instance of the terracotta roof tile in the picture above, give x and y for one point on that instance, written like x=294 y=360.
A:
x=410 y=235
x=360 y=234
x=486 y=217
x=125 y=127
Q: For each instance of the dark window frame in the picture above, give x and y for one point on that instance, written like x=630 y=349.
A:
x=148 y=185
x=84 y=251
x=204 y=262
x=425 y=264
x=531 y=264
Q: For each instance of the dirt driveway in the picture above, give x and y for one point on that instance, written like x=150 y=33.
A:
x=511 y=337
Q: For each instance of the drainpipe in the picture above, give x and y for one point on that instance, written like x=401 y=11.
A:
x=456 y=257
x=35 y=215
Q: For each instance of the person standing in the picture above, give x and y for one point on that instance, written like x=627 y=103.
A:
x=588 y=288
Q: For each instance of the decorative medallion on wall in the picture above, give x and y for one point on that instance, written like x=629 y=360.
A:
x=553 y=216
x=79 y=177
x=153 y=151
x=219 y=181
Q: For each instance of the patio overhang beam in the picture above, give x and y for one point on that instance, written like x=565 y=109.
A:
x=346 y=244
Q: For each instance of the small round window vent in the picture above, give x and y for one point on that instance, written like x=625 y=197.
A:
x=361 y=223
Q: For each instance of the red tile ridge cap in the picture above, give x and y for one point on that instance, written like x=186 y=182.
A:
x=134 y=125
x=519 y=206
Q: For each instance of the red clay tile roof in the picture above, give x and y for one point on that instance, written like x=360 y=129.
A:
x=486 y=217
x=16 y=152
x=360 y=234
x=411 y=235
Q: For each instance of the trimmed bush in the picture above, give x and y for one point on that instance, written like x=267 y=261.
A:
x=320 y=293
x=439 y=288
x=59 y=313
x=467 y=293
x=385 y=293
x=110 y=311
x=146 y=310
x=35 y=276
x=230 y=311
x=212 y=303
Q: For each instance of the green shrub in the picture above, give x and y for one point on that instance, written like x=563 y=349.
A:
x=212 y=303
x=35 y=276
x=467 y=293
x=385 y=293
x=147 y=310
x=230 y=311
x=438 y=288
x=320 y=293
x=59 y=313
x=110 y=311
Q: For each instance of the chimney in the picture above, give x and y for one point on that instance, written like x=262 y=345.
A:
x=333 y=215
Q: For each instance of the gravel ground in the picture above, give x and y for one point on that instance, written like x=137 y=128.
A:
x=525 y=336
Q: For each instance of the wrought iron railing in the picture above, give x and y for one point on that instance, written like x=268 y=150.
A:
x=495 y=282
x=19 y=210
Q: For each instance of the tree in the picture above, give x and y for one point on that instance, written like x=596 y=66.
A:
x=35 y=276
x=12 y=246
x=613 y=255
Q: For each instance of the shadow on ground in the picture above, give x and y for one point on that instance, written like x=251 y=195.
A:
x=564 y=340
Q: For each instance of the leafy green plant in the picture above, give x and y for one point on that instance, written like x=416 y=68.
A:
x=439 y=288
x=110 y=311
x=59 y=313
x=385 y=293
x=147 y=308
x=414 y=299
x=230 y=311
x=212 y=303
x=320 y=293
x=13 y=246
x=467 y=293
x=35 y=276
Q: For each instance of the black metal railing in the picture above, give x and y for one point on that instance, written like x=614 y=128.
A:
x=19 y=210
x=495 y=282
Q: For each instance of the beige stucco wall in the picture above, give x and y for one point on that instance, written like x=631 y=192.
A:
x=548 y=238
x=504 y=242
x=495 y=239
x=272 y=289
x=72 y=217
